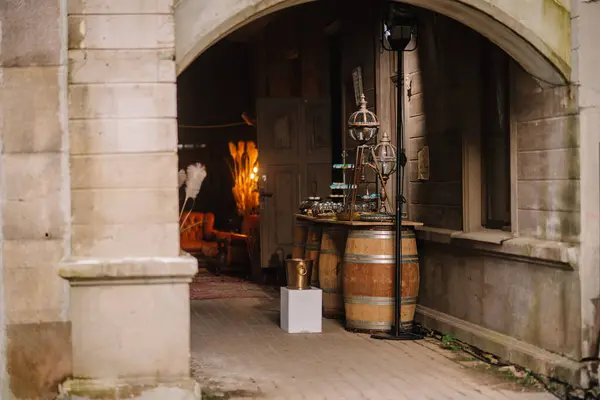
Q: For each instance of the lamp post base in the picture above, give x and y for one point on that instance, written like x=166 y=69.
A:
x=402 y=334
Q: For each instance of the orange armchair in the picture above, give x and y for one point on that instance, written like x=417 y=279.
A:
x=199 y=238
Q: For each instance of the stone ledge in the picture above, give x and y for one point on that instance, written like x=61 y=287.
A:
x=81 y=270
x=500 y=244
x=142 y=389
x=508 y=348
x=484 y=236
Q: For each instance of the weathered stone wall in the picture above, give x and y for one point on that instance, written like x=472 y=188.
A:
x=126 y=272
x=586 y=59
x=123 y=133
x=533 y=303
x=547 y=135
x=492 y=293
x=35 y=196
x=4 y=393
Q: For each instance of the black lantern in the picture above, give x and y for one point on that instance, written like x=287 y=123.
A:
x=399 y=26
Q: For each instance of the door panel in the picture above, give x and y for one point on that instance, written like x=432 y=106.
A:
x=317 y=129
x=294 y=143
x=278 y=131
x=285 y=204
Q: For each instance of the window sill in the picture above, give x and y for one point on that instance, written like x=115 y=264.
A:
x=501 y=244
x=484 y=236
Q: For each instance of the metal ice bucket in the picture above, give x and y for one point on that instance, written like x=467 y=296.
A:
x=298 y=273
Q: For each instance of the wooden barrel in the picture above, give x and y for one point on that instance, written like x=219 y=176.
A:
x=369 y=276
x=300 y=235
x=313 y=246
x=333 y=243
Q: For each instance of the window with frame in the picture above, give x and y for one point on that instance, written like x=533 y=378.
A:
x=495 y=139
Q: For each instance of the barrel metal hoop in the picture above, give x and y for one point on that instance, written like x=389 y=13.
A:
x=300 y=244
x=369 y=259
x=328 y=251
x=372 y=235
x=379 y=235
x=379 y=301
x=355 y=323
x=379 y=258
x=358 y=324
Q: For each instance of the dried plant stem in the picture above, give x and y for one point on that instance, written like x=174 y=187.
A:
x=191 y=226
x=189 y=212
x=244 y=158
x=183 y=207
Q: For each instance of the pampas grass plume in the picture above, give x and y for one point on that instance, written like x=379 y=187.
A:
x=195 y=176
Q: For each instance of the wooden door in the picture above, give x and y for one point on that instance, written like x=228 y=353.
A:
x=294 y=143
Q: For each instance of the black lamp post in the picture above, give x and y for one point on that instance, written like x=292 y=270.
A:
x=399 y=28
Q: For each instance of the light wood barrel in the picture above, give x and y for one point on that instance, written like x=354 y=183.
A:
x=369 y=276
x=300 y=236
x=313 y=247
x=333 y=243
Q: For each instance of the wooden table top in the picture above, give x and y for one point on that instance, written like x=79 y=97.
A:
x=355 y=223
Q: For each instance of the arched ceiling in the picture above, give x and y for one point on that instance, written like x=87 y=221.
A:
x=536 y=33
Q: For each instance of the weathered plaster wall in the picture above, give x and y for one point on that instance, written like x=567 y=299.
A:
x=35 y=196
x=489 y=299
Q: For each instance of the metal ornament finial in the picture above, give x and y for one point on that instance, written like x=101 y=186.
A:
x=363 y=102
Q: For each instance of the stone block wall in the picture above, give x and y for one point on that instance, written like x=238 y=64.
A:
x=3 y=376
x=122 y=125
x=126 y=269
x=35 y=197
x=535 y=304
x=548 y=171
x=585 y=56
x=490 y=294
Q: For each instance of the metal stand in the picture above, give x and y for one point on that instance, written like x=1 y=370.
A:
x=398 y=332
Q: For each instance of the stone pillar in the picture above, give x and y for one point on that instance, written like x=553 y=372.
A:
x=129 y=284
x=586 y=30
x=34 y=199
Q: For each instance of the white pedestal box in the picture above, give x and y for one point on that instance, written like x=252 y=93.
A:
x=301 y=310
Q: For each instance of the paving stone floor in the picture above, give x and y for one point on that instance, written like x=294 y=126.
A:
x=239 y=351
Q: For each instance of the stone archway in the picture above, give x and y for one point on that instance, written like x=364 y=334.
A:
x=536 y=34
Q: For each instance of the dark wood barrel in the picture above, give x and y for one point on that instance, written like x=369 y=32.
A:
x=369 y=276
x=300 y=236
x=333 y=243
x=313 y=247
